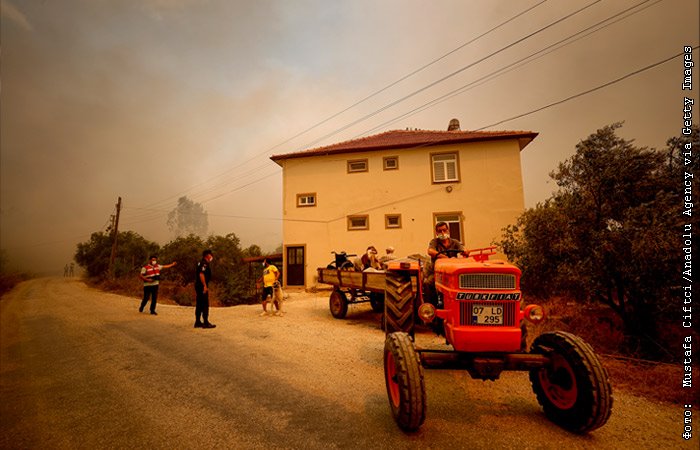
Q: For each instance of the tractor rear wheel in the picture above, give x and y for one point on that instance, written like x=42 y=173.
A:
x=405 y=385
x=573 y=389
x=338 y=304
x=398 y=303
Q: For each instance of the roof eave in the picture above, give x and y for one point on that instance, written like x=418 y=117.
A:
x=523 y=140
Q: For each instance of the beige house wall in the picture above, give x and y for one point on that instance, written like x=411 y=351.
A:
x=489 y=196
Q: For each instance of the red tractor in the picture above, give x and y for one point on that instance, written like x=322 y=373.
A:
x=477 y=305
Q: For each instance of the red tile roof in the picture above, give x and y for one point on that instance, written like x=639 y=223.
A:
x=397 y=139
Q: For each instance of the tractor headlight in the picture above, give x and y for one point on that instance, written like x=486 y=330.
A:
x=534 y=313
x=426 y=312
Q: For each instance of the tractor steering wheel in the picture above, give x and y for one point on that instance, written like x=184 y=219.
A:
x=450 y=252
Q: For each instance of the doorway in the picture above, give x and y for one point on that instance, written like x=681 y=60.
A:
x=295 y=266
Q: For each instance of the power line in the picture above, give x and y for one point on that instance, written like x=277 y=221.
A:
x=588 y=29
x=578 y=95
x=415 y=92
x=517 y=64
x=357 y=103
x=414 y=72
x=589 y=91
x=462 y=69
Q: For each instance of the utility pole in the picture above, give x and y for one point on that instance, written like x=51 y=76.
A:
x=115 y=230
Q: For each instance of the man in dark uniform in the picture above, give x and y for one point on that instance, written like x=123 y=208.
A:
x=201 y=288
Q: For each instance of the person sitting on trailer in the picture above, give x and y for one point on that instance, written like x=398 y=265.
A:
x=369 y=259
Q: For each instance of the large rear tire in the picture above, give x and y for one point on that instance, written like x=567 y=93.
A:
x=398 y=303
x=573 y=389
x=338 y=304
x=405 y=385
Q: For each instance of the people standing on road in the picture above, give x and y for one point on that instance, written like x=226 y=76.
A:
x=201 y=288
x=150 y=274
x=270 y=276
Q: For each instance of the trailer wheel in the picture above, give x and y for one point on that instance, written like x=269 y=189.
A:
x=338 y=304
x=405 y=385
x=398 y=303
x=573 y=389
x=376 y=300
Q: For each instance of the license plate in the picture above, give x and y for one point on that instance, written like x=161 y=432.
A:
x=487 y=315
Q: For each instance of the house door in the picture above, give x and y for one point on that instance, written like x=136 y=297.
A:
x=295 y=266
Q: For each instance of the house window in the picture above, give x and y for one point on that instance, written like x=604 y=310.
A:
x=392 y=220
x=358 y=223
x=445 y=167
x=357 y=165
x=453 y=220
x=306 y=199
x=391 y=162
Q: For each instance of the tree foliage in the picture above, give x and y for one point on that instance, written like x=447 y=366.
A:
x=132 y=251
x=187 y=218
x=186 y=251
x=229 y=272
x=610 y=233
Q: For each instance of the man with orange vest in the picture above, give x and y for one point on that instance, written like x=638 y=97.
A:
x=150 y=274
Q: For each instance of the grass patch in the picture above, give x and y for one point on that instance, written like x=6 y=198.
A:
x=9 y=280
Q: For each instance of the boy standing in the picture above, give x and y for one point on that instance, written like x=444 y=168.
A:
x=270 y=277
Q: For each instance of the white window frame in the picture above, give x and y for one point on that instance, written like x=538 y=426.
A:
x=303 y=200
x=442 y=163
x=391 y=158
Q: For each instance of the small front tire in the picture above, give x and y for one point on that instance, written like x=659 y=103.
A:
x=405 y=385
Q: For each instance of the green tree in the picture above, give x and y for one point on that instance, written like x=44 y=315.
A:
x=253 y=250
x=132 y=251
x=187 y=218
x=187 y=251
x=231 y=271
x=677 y=149
x=609 y=234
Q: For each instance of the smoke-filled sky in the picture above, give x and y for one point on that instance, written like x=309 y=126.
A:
x=151 y=100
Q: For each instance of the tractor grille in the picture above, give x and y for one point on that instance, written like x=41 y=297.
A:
x=486 y=281
x=509 y=310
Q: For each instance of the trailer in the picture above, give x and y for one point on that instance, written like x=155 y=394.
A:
x=350 y=287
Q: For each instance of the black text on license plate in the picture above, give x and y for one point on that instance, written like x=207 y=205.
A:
x=487 y=315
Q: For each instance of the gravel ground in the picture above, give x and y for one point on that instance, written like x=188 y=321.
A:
x=81 y=368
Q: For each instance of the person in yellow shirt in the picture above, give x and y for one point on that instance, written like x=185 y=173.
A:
x=270 y=277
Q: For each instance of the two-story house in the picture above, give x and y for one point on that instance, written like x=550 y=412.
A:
x=390 y=189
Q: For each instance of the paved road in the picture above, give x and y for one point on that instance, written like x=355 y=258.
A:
x=83 y=369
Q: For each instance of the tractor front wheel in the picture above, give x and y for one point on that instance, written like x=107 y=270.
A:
x=338 y=304
x=573 y=389
x=405 y=385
